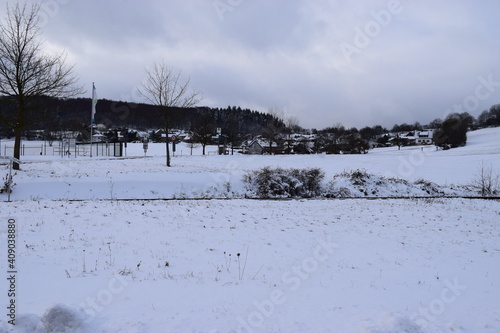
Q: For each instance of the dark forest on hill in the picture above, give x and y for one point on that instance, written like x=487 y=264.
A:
x=74 y=115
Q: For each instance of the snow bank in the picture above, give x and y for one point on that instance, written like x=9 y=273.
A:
x=59 y=318
x=359 y=183
x=62 y=319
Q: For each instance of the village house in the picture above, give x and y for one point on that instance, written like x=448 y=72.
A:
x=259 y=146
x=415 y=137
x=424 y=137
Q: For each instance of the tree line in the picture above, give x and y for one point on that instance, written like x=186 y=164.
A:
x=237 y=124
x=73 y=114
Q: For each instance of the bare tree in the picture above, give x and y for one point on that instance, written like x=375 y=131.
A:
x=232 y=130
x=204 y=129
x=192 y=144
x=163 y=87
x=274 y=126
x=26 y=72
x=292 y=123
x=399 y=141
x=486 y=181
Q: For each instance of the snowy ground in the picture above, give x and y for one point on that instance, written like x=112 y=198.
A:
x=353 y=265
x=304 y=266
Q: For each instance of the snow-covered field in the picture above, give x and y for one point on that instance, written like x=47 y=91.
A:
x=352 y=265
x=304 y=266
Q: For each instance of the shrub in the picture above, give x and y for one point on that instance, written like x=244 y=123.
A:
x=429 y=187
x=284 y=183
x=359 y=183
x=487 y=181
x=337 y=192
x=7 y=185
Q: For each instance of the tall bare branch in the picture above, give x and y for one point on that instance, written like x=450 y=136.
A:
x=164 y=87
x=26 y=72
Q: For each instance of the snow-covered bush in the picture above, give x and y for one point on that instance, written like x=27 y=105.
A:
x=310 y=181
x=359 y=183
x=429 y=187
x=284 y=183
x=62 y=319
x=278 y=182
x=333 y=191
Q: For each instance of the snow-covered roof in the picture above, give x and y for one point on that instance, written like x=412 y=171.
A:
x=263 y=143
x=424 y=134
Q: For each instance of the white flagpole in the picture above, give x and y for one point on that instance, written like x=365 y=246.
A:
x=92 y=112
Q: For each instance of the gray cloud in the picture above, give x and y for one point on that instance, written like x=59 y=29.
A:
x=416 y=65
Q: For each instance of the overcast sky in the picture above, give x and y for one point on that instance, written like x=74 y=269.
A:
x=354 y=62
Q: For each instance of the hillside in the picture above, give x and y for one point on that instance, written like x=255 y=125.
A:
x=74 y=114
